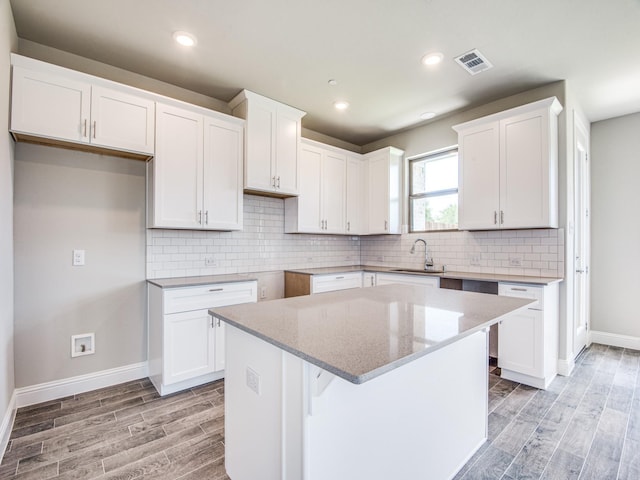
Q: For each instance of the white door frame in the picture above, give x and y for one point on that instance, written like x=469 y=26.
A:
x=582 y=234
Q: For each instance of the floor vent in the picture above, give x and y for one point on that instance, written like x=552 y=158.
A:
x=474 y=62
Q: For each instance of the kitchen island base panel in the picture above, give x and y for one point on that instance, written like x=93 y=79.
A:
x=538 y=382
x=424 y=419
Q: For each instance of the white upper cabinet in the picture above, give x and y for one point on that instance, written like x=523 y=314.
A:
x=62 y=107
x=272 y=140
x=320 y=207
x=509 y=168
x=195 y=179
x=384 y=189
x=355 y=195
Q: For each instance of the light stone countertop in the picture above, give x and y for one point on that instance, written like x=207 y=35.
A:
x=179 y=282
x=486 y=277
x=359 y=334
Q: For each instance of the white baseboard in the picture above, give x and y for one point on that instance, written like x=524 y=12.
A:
x=44 y=392
x=565 y=367
x=614 y=340
x=7 y=424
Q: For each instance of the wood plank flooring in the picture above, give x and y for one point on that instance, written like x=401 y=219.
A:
x=586 y=426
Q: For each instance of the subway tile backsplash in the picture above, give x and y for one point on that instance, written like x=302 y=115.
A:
x=262 y=246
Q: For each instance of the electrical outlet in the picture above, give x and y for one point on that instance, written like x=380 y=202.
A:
x=253 y=380
x=475 y=259
x=210 y=261
x=515 y=261
x=78 y=258
x=263 y=292
x=83 y=344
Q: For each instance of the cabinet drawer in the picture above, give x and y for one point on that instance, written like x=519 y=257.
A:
x=523 y=291
x=330 y=283
x=407 y=279
x=209 y=296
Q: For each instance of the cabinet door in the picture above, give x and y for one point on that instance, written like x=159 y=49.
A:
x=177 y=169
x=378 y=195
x=354 y=196
x=50 y=106
x=524 y=170
x=122 y=121
x=309 y=208
x=189 y=343
x=479 y=173
x=333 y=181
x=520 y=346
x=220 y=350
x=259 y=173
x=222 y=173
x=286 y=155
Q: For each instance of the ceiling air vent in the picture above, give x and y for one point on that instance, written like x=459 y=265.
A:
x=474 y=62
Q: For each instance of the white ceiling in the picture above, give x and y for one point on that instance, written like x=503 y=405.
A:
x=289 y=49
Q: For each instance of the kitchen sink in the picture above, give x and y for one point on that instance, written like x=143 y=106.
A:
x=416 y=271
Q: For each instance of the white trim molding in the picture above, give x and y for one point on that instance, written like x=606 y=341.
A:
x=7 y=424
x=566 y=366
x=44 y=392
x=614 y=340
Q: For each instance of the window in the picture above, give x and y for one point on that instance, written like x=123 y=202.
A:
x=433 y=191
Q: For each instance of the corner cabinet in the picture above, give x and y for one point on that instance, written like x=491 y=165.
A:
x=272 y=140
x=528 y=340
x=195 y=179
x=186 y=344
x=320 y=207
x=61 y=107
x=509 y=168
x=384 y=205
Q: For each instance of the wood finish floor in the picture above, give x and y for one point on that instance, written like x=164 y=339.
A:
x=586 y=426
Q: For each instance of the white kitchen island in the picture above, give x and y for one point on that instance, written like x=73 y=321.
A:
x=377 y=383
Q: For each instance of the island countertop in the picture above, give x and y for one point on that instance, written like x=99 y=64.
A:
x=359 y=334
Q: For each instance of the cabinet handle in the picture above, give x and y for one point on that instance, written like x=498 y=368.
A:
x=372 y=280
x=501 y=217
x=218 y=322
x=200 y=217
x=348 y=226
x=386 y=225
x=84 y=128
x=278 y=181
x=339 y=278
x=94 y=129
x=211 y=317
x=515 y=289
x=273 y=181
x=216 y=289
x=206 y=217
x=495 y=217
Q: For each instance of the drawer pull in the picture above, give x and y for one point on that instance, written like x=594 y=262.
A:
x=216 y=289
x=339 y=278
x=519 y=289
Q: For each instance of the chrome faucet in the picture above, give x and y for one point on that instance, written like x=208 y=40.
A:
x=428 y=261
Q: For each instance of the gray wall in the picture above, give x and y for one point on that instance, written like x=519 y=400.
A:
x=67 y=200
x=8 y=42
x=615 y=239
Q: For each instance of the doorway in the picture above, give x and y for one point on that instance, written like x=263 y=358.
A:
x=582 y=234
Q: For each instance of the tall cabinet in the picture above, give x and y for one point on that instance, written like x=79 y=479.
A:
x=509 y=168
x=272 y=141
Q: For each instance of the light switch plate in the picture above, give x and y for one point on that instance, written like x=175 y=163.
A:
x=78 y=258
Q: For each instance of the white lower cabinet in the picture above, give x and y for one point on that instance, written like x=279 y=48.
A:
x=407 y=279
x=528 y=340
x=368 y=279
x=186 y=344
x=331 y=283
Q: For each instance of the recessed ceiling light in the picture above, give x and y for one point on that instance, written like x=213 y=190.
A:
x=341 y=105
x=333 y=82
x=185 y=39
x=432 y=58
x=427 y=115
